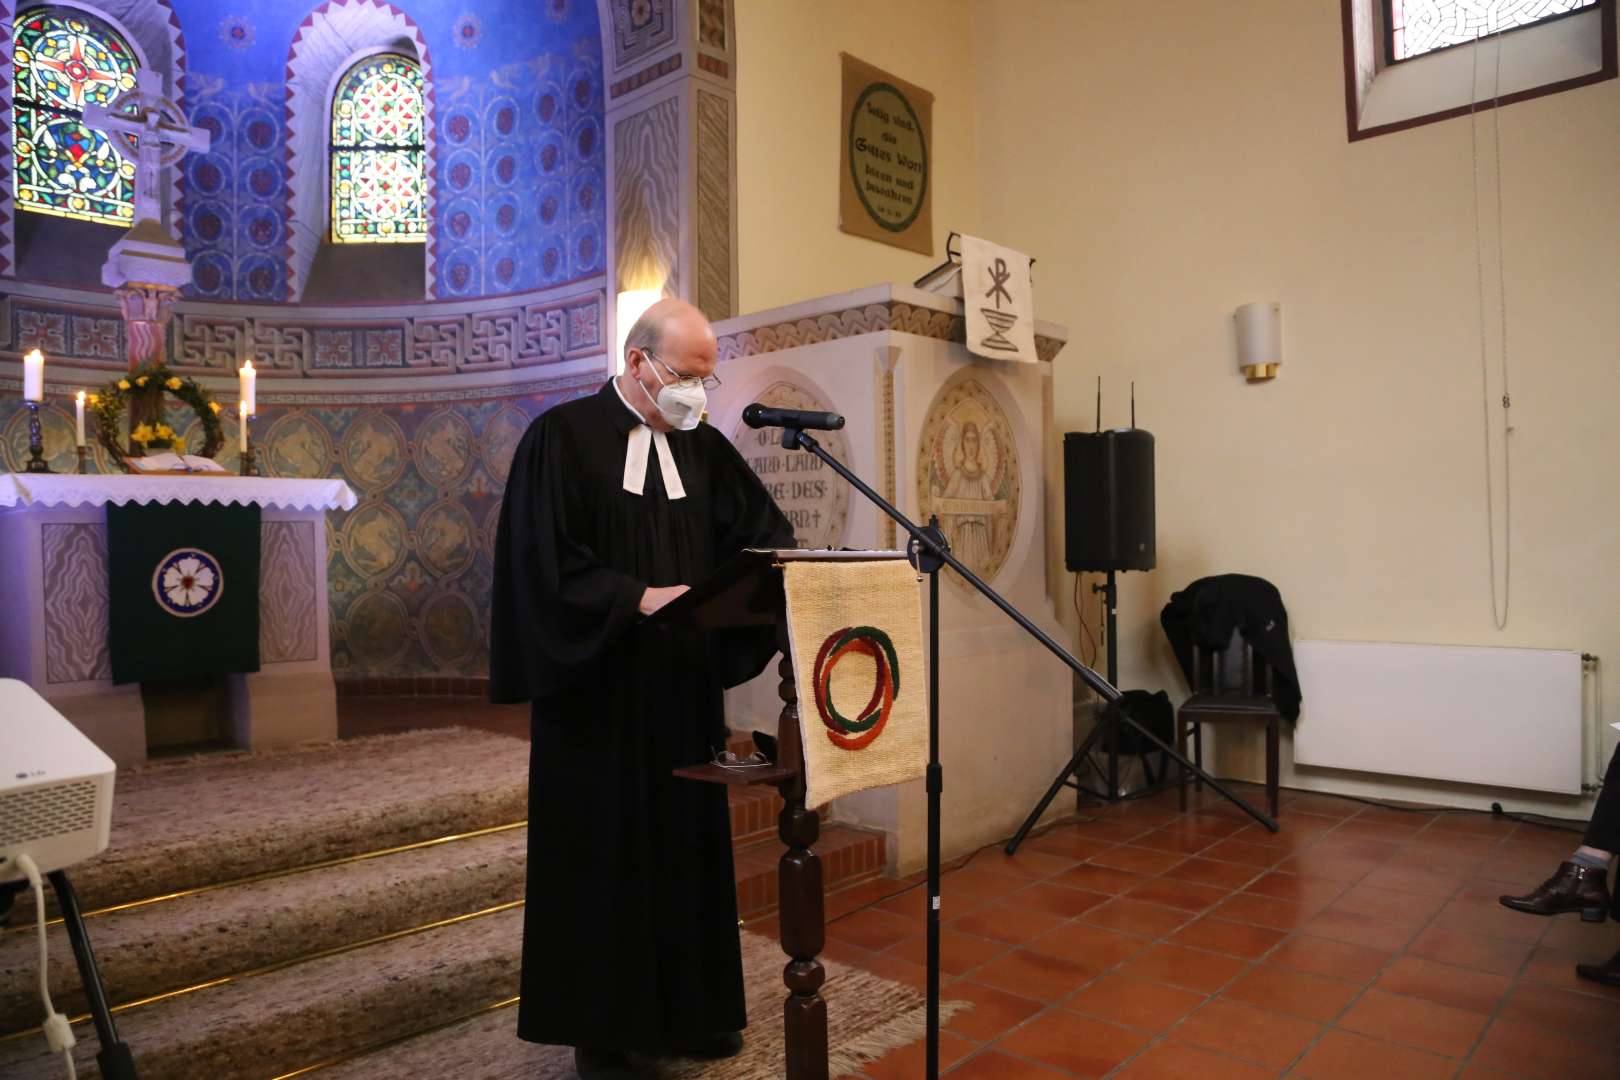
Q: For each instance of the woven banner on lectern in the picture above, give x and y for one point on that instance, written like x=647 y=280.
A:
x=856 y=634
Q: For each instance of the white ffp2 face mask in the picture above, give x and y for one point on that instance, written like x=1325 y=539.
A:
x=680 y=404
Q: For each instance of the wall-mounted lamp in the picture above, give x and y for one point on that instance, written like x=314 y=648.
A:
x=1259 y=339
x=632 y=304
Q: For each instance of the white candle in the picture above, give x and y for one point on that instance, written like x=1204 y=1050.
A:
x=34 y=376
x=248 y=378
x=78 y=417
x=242 y=429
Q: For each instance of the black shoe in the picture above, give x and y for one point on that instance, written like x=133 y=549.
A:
x=713 y=1047
x=1607 y=974
x=594 y=1063
x=1574 y=888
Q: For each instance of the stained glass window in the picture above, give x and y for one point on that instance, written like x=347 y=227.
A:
x=63 y=60
x=379 y=194
x=1420 y=26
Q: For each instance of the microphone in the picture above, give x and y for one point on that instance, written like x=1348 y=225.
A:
x=758 y=416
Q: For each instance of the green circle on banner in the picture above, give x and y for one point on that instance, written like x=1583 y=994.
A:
x=888 y=160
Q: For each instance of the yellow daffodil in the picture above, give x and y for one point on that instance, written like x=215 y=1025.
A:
x=173 y=383
x=123 y=384
x=95 y=399
x=213 y=407
x=179 y=444
x=164 y=431
x=141 y=381
x=142 y=434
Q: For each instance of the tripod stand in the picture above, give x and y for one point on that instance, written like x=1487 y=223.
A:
x=930 y=552
x=1110 y=726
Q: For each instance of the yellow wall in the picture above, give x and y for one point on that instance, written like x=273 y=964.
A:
x=1169 y=162
x=788 y=106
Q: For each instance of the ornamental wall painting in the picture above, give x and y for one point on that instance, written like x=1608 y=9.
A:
x=968 y=474
x=64 y=60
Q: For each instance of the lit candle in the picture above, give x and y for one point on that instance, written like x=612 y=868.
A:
x=34 y=376
x=248 y=378
x=242 y=429
x=78 y=418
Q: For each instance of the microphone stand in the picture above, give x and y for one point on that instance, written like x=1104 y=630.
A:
x=929 y=551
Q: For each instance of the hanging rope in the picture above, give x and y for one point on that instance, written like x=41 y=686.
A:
x=1499 y=602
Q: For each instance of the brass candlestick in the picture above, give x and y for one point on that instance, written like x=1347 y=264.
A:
x=82 y=469
x=36 y=442
x=249 y=463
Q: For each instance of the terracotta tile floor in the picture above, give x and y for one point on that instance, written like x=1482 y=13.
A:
x=1359 y=942
x=1141 y=943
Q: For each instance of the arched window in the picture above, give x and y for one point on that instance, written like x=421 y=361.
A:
x=379 y=194
x=63 y=60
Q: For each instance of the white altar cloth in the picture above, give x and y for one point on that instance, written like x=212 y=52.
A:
x=73 y=489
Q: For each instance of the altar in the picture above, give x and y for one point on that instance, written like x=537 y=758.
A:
x=54 y=636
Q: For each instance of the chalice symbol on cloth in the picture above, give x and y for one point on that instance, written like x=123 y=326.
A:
x=1000 y=321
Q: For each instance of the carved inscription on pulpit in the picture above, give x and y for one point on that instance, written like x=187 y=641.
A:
x=813 y=498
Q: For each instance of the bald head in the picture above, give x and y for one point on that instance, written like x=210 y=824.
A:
x=669 y=318
x=671 y=339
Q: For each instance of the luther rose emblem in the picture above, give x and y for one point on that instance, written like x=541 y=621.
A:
x=187 y=582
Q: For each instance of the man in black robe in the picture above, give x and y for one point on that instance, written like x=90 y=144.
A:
x=615 y=505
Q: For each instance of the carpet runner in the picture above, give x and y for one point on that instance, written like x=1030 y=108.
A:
x=354 y=909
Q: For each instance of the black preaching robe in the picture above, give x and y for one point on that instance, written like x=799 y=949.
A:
x=630 y=926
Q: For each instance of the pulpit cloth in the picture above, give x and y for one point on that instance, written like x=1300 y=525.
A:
x=95 y=489
x=855 y=629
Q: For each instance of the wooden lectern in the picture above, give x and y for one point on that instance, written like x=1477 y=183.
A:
x=747 y=591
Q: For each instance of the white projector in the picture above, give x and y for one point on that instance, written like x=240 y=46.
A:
x=56 y=786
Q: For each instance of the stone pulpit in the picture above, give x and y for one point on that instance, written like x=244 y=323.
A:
x=936 y=430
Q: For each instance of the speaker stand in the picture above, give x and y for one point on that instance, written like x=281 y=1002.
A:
x=1110 y=594
x=1111 y=723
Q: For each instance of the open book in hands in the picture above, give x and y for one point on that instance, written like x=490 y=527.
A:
x=170 y=462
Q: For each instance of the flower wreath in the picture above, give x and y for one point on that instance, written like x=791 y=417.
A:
x=152 y=379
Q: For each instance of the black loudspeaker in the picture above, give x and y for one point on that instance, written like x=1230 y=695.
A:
x=1108 y=500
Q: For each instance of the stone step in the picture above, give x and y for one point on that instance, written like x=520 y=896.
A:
x=157 y=948
x=160 y=947
x=754 y=812
x=848 y=855
x=178 y=825
x=266 y=1025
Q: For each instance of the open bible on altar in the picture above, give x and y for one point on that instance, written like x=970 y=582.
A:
x=170 y=462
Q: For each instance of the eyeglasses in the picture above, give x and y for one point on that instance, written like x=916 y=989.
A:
x=727 y=760
x=708 y=382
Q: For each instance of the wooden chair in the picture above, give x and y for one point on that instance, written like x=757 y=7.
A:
x=1231 y=685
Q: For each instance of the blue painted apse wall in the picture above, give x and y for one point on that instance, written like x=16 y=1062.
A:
x=518 y=104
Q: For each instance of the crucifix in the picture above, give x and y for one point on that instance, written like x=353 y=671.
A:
x=151 y=129
x=146 y=268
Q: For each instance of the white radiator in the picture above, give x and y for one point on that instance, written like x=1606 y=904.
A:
x=1472 y=714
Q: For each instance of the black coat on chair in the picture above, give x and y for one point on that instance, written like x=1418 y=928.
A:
x=1206 y=612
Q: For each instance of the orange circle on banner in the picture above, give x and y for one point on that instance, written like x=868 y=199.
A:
x=869 y=723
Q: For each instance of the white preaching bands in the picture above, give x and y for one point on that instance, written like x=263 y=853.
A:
x=642 y=439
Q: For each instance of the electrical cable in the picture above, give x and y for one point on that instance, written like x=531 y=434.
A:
x=57 y=1030
x=1085 y=630
x=1495 y=811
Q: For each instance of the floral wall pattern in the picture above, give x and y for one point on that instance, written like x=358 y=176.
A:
x=518 y=168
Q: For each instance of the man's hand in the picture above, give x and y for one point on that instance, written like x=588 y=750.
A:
x=653 y=599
